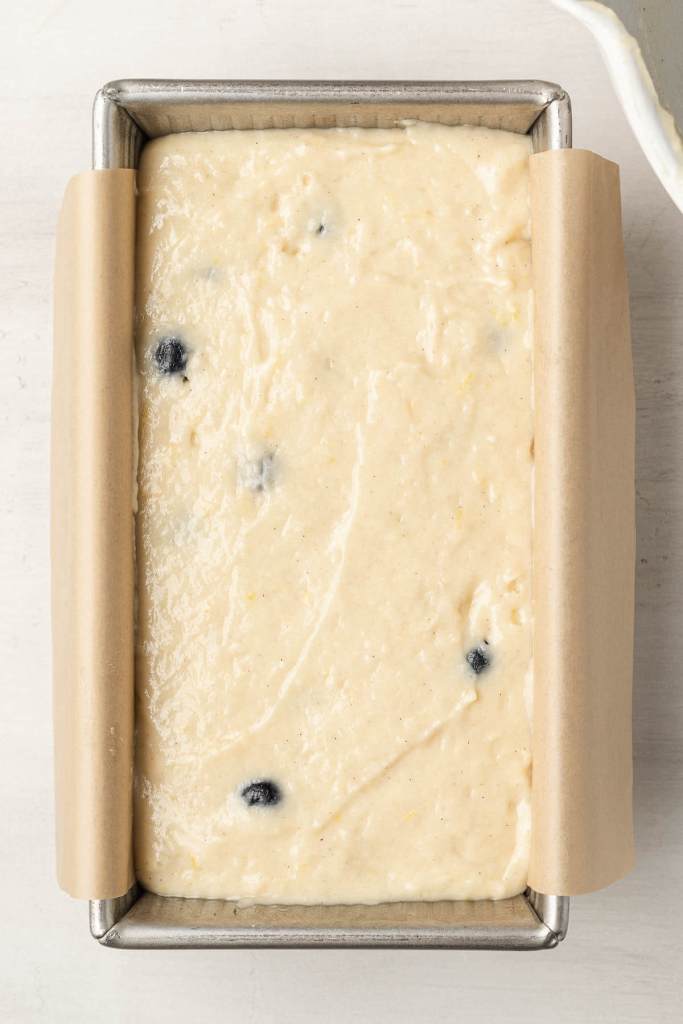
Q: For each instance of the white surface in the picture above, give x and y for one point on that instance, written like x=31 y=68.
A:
x=621 y=961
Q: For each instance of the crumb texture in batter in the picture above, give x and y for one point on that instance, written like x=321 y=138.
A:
x=334 y=515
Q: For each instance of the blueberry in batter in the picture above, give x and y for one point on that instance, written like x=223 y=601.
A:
x=170 y=355
x=262 y=793
x=258 y=475
x=479 y=658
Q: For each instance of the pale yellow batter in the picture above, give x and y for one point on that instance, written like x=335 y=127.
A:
x=334 y=524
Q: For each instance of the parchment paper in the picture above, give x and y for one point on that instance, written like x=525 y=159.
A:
x=584 y=530
x=92 y=534
x=584 y=527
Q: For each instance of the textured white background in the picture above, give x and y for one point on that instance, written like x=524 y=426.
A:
x=622 y=958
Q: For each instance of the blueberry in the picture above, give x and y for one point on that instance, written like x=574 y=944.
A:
x=258 y=475
x=262 y=793
x=479 y=658
x=170 y=355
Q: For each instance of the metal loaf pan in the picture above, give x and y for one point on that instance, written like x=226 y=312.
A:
x=126 y=114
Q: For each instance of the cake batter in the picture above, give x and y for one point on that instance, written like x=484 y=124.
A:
x=334 y=515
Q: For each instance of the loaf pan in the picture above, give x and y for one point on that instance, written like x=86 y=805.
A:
x=128 y=113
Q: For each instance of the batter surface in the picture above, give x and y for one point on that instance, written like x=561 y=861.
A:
x=334 y=515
